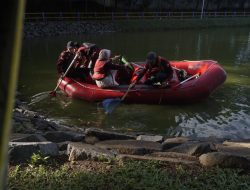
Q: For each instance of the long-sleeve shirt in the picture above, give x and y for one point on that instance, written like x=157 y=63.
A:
x=162 y=65
x=102 y=68
x=64 y=61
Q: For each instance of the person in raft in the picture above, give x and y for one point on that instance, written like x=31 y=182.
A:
x=102 y=70
x=65 y=59
x=157 y=70
x=89 y=54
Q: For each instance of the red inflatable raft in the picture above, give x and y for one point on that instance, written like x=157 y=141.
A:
x=204 y=77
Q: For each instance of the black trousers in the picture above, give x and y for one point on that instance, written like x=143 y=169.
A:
x=158 y=77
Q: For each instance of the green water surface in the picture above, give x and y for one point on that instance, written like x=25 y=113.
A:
x=226 y=113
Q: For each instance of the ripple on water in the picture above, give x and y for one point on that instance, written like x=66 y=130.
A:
x=234 y=125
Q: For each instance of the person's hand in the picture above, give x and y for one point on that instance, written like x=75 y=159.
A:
x=127 y=64
x=81 y=49
x=79 y=56
x=61 y=74
x=117 y=57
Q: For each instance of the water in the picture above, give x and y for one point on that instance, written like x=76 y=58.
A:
x=226 y=113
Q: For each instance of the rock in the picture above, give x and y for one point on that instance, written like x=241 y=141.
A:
x=71 y=128
x=152 y=138
x=194 y=149
x=236 y=149
x=18 y=103
x=130 y=146
x=101 y=135
x=172 y=142
x=61 y=136
x=91 y=139
x=210 y=139
x=22 y=151
x=63 y=145
x=81 y=151
x=30 y=114
x=63 y=153
x=19 y=137
x=19 y=117
x=175 y=155
x=43 y=125
x=238 y=143
x=126 y=157
x=26 y=113
x=57 y=28
x=224 y=160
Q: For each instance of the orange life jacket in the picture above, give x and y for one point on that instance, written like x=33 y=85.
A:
x=99 y=71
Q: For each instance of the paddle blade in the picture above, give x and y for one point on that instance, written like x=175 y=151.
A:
x=39 y=98
x=110 y=104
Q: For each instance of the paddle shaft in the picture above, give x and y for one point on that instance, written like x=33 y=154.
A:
x=124 y=96
x=71 y=64
x=128 y=63
x=177 y=70
x=130 y=86
x=196 y=75
x=143 y=67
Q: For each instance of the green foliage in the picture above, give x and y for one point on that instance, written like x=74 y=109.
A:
x=105 y=159
x=38 y=159
x=131 y=175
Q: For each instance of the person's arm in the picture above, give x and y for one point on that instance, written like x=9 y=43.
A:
x=167 y=69
x=83 y=59
x=60 y=63
x=112 y=66
x=142 y=73
x=165 y=64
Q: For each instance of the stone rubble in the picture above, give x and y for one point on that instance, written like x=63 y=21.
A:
x=34 y=133
x=56 y=28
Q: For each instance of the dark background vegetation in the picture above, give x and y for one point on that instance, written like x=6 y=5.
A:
x=135 y=5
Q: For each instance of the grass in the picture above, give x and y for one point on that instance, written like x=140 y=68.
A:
x=130 y=175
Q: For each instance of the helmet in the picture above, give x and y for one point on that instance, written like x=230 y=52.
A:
x=151 y=57
x=76 y=45
x=89 y=45
x=104 y=54
x=70 y=44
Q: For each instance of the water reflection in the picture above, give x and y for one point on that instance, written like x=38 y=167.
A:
x=225 y=114
x=243 y=56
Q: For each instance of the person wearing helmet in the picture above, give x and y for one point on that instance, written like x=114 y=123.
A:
x=157 y=70
x=102 y=70
x=89 y=54
x=76 y=46
x=65 y=58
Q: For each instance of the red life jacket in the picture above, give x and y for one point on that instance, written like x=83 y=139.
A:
x=83 y=60
x=162 y=65
x=63 y=61
x=99 y=71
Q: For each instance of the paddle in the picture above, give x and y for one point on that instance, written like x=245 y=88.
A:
x=127 y=63
x=110 y=104
x=188 y=79
x=53 y=93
